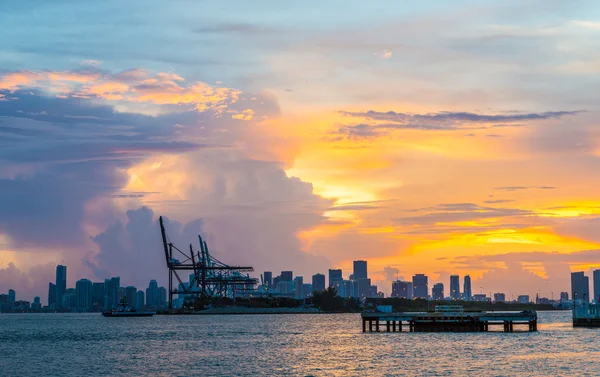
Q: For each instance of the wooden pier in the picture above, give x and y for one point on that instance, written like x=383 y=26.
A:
x=447 y=321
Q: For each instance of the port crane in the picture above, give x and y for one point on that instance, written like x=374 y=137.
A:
x=210 y=277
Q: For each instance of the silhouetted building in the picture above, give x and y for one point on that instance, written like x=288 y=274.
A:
x=37 y=304
x=111 y=292
x=61 y=285
x=564 y=296
x=467 y=292
x=363 y=288
x=345 y=288
x=162 y=298
x=299 y=287
x=580 y=287
x=98 y=294
x=499 y=297
x=131 y=295
x=334 y=275
x=51 y=295
x=139 y=300
x=268 y=279
x=480 y=297
x=454 y=287
x=523 y=299
x=276 y=281
x=318 y=282
x=360 y=269
x=286 y=276
x=420 y=289
x=69 y=299
x=307 y=290
x=596 y=276
x=12 y=296
x=402 y=289
x=437 y=292
x=152 y=299
x=83 y=291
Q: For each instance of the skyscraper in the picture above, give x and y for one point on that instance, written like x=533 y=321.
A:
x=61 y=285
x=360 y=269
x=420 y=289
x=83 y=292
x=580 y=287
x=51 y=295
x=139 y=302
x=287 y=276
x=499 y=297
x=12 y=296
x=455 y=287
x=98 y=294
x=363 y=288
x=299 y=287
x=402 y=289
x=596 y=276
x=318 y=282
x=437 y=292
x=162 y=298
x=468 y=294
x=334 y=275
x=268 y=279
x=131 y=295
x=152 y=299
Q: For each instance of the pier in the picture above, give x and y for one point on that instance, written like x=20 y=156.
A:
x=586 y=315
x=447 y=319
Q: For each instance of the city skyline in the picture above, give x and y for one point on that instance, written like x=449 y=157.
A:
x=286 y=283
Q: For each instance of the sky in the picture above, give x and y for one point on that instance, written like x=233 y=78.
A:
x=427 y=137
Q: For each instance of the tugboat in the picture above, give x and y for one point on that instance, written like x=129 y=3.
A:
x=124 y=310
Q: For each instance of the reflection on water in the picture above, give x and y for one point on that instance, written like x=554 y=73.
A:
x=283 y=345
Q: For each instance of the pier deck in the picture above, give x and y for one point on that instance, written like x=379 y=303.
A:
x=447 y=322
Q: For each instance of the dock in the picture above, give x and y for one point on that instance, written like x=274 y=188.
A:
x=586 y=315
x=447 y=319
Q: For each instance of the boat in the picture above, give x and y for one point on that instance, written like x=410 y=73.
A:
x=124 y=310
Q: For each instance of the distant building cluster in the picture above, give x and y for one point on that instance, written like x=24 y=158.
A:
x=88 y=296
x=358 y=284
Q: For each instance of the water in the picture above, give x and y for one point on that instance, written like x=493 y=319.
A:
x=282 y=345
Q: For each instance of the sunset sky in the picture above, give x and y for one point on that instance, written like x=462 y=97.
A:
x=434 y=137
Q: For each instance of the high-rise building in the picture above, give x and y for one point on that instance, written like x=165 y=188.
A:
x=111 y=292
x=131 y=295
x=345 y=288
x=360 y=269
x=564 y=296
x=276 y=281
x=499 y=297
x=69 y=299
x=268 y=279
x=51 y=295
x=139 y=300
x=83 y=292
x=318 y=282
x=454 y=287
x=402 y=289
x=596 y=283
x=98 y=294
x=12 y=296
x=580 y=287
x=467 y=293
x=335 y=275
x=420 y=289
x=286 y=276
x=152 y=295
x=437 y=292
x=299 y=287
x=162 y=298
x=523 y=299
x=37 y=304
x=363 y=288
x=61 y=285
